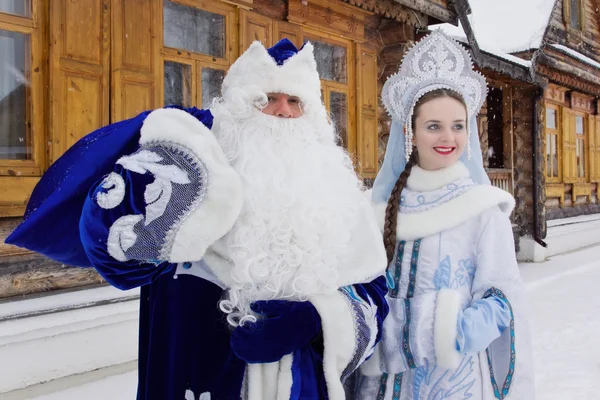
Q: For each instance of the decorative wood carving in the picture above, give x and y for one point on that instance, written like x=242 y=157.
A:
x=581 y=102
x=392 y=10
x=436 y=9
x=557 y=94
x=338 y=18
x=567 y=80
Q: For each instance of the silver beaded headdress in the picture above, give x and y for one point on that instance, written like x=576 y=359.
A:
x=435 y=62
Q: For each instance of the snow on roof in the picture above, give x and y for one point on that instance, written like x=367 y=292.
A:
x=505 y=56
x=576 y=55
x=506 y=26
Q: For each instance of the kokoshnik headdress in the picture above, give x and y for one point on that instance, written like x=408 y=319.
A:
x=435 y=62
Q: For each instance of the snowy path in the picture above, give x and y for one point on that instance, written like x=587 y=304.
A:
x=118 y=387
x=564 y=300
x=566 y=325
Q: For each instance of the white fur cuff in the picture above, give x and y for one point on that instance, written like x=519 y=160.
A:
x=216 y=213
x=339 y=339
x=445 y=329
x=372 y=367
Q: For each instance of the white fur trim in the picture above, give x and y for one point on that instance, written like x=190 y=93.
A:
x=284 y=379
x=339 y=339
x=448 y=215
x=370 y=259
x=445 y=329
x=270 y=381
x=297 y=76
x=421 y=180
x=222 y=202
x=372 y=367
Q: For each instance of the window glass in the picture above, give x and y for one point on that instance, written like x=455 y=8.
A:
x=15 y=141
x=16 y=7
x=339 y=112
x=331 y=61
x=194 y=30
x=212 y=79
x=178 y=84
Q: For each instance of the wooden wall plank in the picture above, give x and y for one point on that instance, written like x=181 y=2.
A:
x=366 y=111
x=79 y=65
x=136 y=68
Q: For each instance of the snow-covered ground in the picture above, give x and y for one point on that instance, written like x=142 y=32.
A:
x=564 y=304
x=564 y=300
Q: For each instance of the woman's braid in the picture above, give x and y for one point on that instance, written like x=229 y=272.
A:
x=391 y=211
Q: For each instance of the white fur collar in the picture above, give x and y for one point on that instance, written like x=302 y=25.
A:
x=448 y=215
x=421 y=180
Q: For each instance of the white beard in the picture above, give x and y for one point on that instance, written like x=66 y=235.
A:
x=301 y=199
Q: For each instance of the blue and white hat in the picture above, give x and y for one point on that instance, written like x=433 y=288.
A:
x=435 y=62
x=280 y=69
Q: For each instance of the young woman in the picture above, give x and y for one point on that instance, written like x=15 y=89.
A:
x=456 y=326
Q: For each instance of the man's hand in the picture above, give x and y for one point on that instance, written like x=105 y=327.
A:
x=283 y=326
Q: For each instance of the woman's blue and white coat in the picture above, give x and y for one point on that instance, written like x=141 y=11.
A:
x=456 y=326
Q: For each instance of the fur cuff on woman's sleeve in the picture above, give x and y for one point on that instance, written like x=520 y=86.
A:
x=445 y=329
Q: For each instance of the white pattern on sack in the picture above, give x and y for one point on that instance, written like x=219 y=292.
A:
x=167 y=204
x=114 y=185
x=158 y=193
x=121 y=236
x=189 y=395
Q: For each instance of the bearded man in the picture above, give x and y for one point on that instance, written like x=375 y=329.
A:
x=246 y=227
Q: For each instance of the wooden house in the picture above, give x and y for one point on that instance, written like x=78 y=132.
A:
x=556 y=129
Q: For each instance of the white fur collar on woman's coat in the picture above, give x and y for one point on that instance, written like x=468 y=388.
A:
x=435 y=201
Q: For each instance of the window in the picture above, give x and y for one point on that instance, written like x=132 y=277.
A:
x=21 y=113
x=331 y=61
x=552 y=144
x=332 y=58
x=178 y=83
x=15 y=89
x=195 y=52
x=580 y=148
x=573 y=12
x=21 y=8
x=194 y=30
x=15 y=137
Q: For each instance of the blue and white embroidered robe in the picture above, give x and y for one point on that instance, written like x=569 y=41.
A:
x=455 y=248
x=145 y=202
